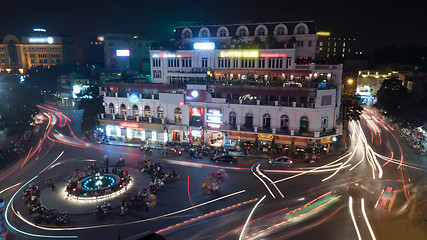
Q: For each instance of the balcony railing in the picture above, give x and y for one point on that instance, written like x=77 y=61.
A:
x=265 y=130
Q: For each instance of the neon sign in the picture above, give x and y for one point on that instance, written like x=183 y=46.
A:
x=41 y=40
x=239 y=54
x=214 y=115
x=122 y=53
x=133 y=97
x=164 y=55
x=273 y=55
x=204 y=45
x=129 y=125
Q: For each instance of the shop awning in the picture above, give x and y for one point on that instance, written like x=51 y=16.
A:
x=243 y=138
x=300 y=144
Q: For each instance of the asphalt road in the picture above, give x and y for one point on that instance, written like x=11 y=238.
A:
x=377 y=190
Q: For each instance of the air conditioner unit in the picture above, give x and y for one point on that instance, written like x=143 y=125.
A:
x=211 y=90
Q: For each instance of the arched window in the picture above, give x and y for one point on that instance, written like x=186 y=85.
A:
x=261 y=32
x=266 y=121
x=186 y=33
x=111 y=107
x=178 y=115
x=232 y=118
x=147 y=111
x=284 y=122
x=303 y=124
x=135 y=110
x=280 y=31
x=122 y=109
x=242 y=31
x=160 y=112
x=301 y=30
x=204 y=32
x=249 y=120
x=222 y=32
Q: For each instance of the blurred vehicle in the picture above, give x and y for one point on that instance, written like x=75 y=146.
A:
x=173 y=151
x=281 y=161
x=193 y=153
x=224 y=158
x=39 y=119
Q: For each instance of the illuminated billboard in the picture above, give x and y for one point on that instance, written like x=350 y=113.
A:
x=239 y=54
x=48 y=40
x=214 y=115
x=204 y=45
x=122 y=53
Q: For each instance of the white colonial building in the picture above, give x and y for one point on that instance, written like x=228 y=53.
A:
x=208 y=91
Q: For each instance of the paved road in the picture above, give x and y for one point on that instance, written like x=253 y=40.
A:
x=374 y=190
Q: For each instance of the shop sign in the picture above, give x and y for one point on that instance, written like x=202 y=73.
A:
x=214 y=115
x=265 y=137
x=129 y=125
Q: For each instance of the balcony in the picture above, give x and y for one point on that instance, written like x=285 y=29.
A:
x=246 y=128
x=265 y=130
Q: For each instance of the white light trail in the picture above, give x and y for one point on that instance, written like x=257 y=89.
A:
x=4 y=190
x=263 y=182
x=262 y=174
x=249 y=217
x=52 y=162
x=350 y=207
x=366 y=220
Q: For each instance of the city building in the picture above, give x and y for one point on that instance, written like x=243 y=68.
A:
x=334 y=49
x=368 y=83
x=208 y=90
x=126 y=51
x=38 y=48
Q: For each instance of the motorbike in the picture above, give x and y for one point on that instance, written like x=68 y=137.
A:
x=62 y=218
x=100 y=212
x=120 y=163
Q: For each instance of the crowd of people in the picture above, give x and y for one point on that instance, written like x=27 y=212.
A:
x=416 y=138
x=14 y=149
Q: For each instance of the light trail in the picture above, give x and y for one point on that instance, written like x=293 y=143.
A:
x=188 y=191
x=263 y=182
x=127 y=223
x=350 y=207
x=4 y=190
x=262 y=174
x=249 y=217
x=367 y=220
x=6 y=217
x=52 y=162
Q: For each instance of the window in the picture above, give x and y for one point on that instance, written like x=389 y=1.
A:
x=281 y=31
x=343 y=50
x=324 y=123
x=266 y=121
x=186 y=62
x=236 y=63
x=135 y=110
x=160 y=112
x=204 y=33
x=321 y=44
x=123 y=109
x=288 y=62
x=40 y=60
x=147 y=112
x=173 y=62
x=248 y=63
x=261 y=63
x=300 y=43
x=242 y=32
x=301 y=30
x=326 y=100
x=284 y=122
x=224 y=63
x=249 y=120
x=222 y=33
x=343 y=44
x=186 y=34
x=156 y=62
x=232 y=119
x=309 y=43
x=303 y=124
x=275 y=63
x=204 y=62
x=157 y=74
x=178 y=115
x=111 y=107
x=320 y=49
x=32 y=55
x=261 y=32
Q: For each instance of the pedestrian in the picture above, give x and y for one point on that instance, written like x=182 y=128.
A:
x=53 y=187
x=146 y=208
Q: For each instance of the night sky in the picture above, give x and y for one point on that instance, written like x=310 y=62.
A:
x=372 y=23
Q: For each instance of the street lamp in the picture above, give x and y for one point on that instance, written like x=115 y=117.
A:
x=350 y=81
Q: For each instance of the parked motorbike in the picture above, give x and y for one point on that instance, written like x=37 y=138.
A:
x=62 y=218
x=100 y=212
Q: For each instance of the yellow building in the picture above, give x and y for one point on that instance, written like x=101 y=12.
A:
x=37 y=49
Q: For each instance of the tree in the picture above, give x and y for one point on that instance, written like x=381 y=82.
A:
x=351 y=105
x=18 y=104
x=395 y=101
x=255 y=145
x=92 y=104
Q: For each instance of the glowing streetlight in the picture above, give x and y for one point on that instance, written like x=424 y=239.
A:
x=350 y=81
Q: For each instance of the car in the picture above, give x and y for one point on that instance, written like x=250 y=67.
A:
x=281 y=161
x=224 y=158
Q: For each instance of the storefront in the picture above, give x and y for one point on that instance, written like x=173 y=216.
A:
x=133 y=131
x=177 y=133
x=265 y=142
x=214 y=136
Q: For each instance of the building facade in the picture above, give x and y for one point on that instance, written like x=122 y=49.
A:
x=126 y=51
x=208 y=92
x=331 y=48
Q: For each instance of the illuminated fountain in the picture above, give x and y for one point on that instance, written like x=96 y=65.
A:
x=98 y=186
